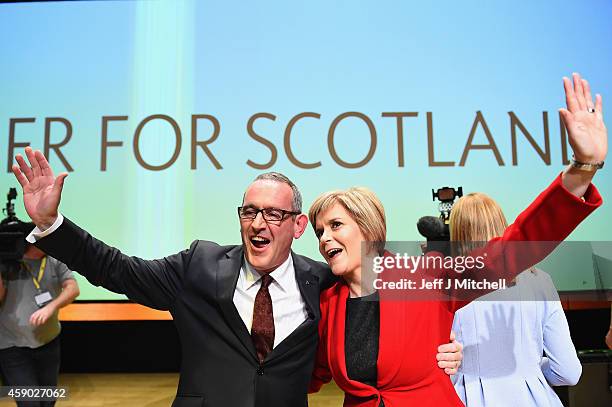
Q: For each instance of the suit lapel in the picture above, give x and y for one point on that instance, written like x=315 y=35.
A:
x=308 y=284
x=336 y=345
x=391 y=339
x=227 y=277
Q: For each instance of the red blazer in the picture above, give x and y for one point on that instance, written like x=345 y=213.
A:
x=411 y=331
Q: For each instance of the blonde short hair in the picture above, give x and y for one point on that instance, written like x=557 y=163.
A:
x=475 y=218
x=363 y=206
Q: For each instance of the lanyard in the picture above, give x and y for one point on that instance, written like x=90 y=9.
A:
x=41 y=272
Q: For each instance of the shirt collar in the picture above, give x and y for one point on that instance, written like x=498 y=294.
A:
x=282 y=275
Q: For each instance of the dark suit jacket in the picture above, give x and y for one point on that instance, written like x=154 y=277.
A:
x=219 y=366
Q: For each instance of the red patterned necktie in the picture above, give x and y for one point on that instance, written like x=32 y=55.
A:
x=262 y=330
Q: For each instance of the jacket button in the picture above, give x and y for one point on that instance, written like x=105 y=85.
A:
x=260 y=371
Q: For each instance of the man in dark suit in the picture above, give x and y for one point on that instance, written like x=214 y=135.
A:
x=246 y=315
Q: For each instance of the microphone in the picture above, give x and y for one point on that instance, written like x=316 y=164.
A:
x=432 y=228
x=437 y=235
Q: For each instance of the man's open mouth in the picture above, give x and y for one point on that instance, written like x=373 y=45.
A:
x=260 y=242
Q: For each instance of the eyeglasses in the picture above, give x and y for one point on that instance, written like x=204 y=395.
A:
x=269 y=214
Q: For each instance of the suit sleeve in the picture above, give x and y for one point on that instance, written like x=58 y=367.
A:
x=154 y=283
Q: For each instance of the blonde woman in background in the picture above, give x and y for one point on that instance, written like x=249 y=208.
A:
x=516 y=341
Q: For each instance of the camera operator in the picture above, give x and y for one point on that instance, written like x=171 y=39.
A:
x=32 y=291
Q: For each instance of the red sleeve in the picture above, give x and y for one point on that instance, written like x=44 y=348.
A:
x=554 y=214
x=535 y=233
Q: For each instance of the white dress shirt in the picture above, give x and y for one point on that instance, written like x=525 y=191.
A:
x=288 y=306
x=37 y=234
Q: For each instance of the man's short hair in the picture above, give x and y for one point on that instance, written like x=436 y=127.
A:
x=283 y=179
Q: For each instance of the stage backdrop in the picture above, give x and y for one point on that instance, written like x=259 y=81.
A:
x=163 y=111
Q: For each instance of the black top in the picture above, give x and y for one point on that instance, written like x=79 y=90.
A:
x=361 y=338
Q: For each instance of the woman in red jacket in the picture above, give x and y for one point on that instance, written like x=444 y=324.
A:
x=381 y=353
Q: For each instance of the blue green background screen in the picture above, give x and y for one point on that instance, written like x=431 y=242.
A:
x=449 y=63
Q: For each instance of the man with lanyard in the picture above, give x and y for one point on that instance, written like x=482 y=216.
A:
x=31 y=294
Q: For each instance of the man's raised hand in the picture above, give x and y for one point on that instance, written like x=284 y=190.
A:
x=42 y=191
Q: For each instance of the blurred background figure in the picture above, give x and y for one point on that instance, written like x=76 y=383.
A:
x=32 y=291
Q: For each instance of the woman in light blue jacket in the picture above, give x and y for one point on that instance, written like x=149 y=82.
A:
x=516 y=341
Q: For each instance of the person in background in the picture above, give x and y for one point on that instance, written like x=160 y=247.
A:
x=31 y=296
x=507 y=332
